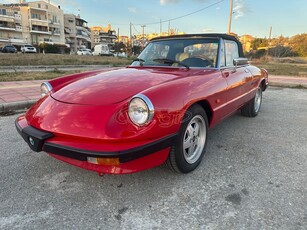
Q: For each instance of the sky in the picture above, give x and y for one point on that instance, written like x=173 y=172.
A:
x=255 y=17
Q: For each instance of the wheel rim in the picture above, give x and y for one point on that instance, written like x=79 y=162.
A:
x=258 y=99
x=194 y=139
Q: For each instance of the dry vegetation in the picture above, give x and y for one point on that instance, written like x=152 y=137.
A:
x=20 y=59
x=296 y=66
x=275 y=66
x=27 y=76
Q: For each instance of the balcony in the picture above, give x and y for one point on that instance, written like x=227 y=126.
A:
x=17 y=17
x=38 y=22
x=6 y=18
x=10 y=27
x=83 y=37
x=83 y=29
x=54 y=23
x=40 y=31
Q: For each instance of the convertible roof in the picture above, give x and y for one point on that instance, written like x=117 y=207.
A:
x=207 y=35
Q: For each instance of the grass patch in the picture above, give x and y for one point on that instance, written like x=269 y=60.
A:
x=286 y=69
x=20 y=59
x=29 y=76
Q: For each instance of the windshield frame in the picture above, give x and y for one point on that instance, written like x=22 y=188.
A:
x=212 y=40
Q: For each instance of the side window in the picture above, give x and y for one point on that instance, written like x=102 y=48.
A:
x=157 y=51
x=206 y=51
x=222 y=55
x=231 y=52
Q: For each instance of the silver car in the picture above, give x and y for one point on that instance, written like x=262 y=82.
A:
x=28 y=49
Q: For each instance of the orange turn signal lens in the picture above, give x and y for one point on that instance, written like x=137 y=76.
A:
x=103 y=161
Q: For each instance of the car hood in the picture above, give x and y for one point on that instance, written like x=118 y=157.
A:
x=113 y=86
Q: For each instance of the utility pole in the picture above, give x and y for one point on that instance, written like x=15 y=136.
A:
x=169 y=27
x=160 y=27
x=269 y=44
x=131 y=43
x=143 y=42
x=230 y=17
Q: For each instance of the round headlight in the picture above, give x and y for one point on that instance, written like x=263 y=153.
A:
x=45 y=88
x=141 y=110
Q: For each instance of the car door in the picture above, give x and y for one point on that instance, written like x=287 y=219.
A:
x=236 y=77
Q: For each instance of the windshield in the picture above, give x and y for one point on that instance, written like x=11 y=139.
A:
x=183 y=52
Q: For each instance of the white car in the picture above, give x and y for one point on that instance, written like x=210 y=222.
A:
x=28 y=49
x=84 y=52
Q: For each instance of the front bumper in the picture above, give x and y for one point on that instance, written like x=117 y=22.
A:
x=139 y=158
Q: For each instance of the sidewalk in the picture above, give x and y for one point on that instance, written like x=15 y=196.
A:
x=20 y=95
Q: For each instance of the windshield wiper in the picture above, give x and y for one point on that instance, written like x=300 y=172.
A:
x=140 y=60
x=170 y=61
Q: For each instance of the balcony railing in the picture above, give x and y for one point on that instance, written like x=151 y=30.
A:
x=38 y=31
x=7 y=15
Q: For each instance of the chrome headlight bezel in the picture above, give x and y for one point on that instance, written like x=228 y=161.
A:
x=140 y=110
x=46 y=88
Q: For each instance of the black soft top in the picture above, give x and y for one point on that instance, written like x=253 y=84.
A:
x=207 y=35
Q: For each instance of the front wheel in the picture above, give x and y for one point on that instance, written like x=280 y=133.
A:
x=252 y=108
x=189 y=148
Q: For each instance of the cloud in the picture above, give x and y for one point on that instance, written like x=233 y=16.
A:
x=10 y=1
x=240 y=8
x=132 y=9
x=164 y=2
x=207 y=30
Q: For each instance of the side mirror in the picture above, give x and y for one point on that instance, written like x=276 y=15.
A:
x=240 y=61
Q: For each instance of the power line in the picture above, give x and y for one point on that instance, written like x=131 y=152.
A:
x=173 y=19
x=176 y=18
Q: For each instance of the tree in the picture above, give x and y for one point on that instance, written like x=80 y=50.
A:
x=259 y=42
x=298 y=43
x=120 y=47
x=281 y=51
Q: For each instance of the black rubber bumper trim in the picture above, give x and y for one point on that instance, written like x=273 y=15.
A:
x=37 y=137
x=39 y=143
x=124 y=155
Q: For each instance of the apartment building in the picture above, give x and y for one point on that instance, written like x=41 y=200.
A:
x=77 y=33
x=103 y=35
x=10 y=25
x=31 y=23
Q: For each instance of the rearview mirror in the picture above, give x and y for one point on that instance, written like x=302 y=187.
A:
x=240 y=61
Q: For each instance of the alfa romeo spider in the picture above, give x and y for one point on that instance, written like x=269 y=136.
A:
x=157 y=110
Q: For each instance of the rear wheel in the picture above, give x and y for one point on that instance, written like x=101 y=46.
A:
x=252 y=108
x=189 y=148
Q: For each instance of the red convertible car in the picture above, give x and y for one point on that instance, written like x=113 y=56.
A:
x=157 y=110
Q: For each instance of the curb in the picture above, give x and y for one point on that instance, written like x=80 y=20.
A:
x=288 y=85
x=14 y=106
x=23 y=105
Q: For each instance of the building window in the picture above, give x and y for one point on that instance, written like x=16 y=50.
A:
x=36 y=16
x=54 y=19
x=3 y=11
x=47 y=7
x=39 y=5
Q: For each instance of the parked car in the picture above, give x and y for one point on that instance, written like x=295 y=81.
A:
x=102 y=50
x=9 y=49
x=159 y=109
x=121 y=54
x=28 y=49
x=84 y=52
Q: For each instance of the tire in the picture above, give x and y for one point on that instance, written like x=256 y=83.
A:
x=189 y=147
x=252 y=108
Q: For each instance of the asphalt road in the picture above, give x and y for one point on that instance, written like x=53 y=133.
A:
x=254 y=176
